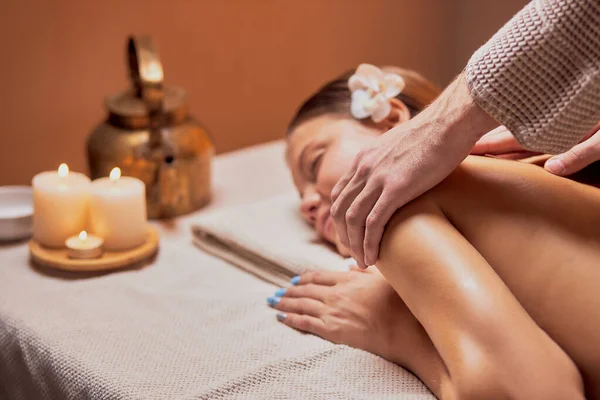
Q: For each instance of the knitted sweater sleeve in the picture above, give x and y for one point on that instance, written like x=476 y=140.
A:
x=540 y=74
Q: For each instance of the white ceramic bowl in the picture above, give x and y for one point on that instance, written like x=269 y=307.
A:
x=16 y=212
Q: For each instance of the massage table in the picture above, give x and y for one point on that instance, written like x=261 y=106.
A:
x=187 y=326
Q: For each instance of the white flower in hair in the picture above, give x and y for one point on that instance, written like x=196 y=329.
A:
x=372 y=90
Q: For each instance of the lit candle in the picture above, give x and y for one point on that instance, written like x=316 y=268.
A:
x=60 y=205
x=84 y=246
x=118 y=211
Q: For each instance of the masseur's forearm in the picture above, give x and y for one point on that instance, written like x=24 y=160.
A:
x=540 y=74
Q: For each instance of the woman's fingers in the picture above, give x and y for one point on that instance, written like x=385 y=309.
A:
x=303 y=323
x=325 y=278
x=302 y=306
x=310 y=290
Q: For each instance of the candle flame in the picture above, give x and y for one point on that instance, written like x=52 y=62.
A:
x=115 y=174
x=63 y=170
x=82 y=235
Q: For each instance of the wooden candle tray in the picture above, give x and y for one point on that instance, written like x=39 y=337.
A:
x=110 y=260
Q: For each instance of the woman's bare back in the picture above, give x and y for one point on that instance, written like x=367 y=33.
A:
x=541 y=236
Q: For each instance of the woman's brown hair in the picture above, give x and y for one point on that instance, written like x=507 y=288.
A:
x=335 y=97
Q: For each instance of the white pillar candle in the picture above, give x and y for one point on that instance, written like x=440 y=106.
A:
x=118 y=211
x=60 y=205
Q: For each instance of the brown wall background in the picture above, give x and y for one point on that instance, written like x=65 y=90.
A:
x=246 y=64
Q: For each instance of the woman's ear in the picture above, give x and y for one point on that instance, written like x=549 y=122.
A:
x=398 y=115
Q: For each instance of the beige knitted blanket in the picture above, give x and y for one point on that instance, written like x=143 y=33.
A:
x=268 y=239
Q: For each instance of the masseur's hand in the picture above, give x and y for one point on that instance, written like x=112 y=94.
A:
x=404 y=163
x=501 y=142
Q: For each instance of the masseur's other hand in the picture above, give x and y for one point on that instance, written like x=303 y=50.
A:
x=404 y=163
x=579 y=157
x=502 y=143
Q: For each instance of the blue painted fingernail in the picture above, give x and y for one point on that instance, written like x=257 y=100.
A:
x=273 y=301
x=280 y=292
x=281 y=316
x=295 y=280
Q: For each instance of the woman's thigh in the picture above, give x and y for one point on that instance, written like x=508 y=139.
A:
x=541 y=234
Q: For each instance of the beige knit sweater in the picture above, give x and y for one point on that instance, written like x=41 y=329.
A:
x=540 y=74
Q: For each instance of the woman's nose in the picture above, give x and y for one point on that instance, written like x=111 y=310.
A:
x=310 y=205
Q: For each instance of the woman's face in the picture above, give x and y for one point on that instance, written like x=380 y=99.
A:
x=320 y=151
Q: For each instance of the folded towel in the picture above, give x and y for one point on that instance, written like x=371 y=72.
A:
x=268 y=239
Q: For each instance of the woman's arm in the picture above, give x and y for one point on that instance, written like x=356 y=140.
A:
x=490 y=345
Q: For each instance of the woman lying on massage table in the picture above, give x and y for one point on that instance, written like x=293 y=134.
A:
x=486 y=286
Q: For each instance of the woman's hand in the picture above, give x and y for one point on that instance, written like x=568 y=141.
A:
x=356 y=308
x=404 y=163
x=502 y=143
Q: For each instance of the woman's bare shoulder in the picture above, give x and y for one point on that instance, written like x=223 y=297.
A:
x=530 y=169
x=514 y=181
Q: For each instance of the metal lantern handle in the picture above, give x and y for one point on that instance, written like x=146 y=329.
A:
x=146 y=72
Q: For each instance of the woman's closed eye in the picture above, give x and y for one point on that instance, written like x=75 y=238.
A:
x=315 y=164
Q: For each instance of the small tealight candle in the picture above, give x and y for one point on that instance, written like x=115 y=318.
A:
x=60 y=205
x=118 y=211
x=84 y=246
